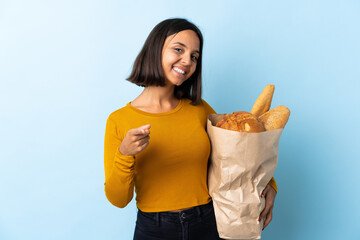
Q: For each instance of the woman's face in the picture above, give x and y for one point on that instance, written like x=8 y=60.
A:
x=179 y=56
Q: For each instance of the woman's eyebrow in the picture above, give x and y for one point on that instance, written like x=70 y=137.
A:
x=180 y=43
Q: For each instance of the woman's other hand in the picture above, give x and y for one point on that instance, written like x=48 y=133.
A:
x=269 y=193
x=135 y=140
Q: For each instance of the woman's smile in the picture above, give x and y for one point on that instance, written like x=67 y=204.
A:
x=178 y=70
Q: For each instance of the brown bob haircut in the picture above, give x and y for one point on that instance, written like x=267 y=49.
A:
x=147 y=69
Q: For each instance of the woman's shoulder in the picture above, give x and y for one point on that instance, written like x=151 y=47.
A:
x=120 y=113
x=207 y=107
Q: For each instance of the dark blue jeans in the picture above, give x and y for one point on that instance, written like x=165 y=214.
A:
x=197 y=223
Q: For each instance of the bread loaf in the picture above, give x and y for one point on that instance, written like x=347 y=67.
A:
x=241 y=121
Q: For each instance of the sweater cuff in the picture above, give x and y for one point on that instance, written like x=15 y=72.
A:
x=125 y=160
x=272 y=183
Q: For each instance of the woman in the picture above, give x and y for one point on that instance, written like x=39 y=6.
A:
x=169 y=171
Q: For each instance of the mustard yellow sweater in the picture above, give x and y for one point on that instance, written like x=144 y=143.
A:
x=171 y=172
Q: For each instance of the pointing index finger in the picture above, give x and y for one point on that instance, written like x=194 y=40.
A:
x=143 y=130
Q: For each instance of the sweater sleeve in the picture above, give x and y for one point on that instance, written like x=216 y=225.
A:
x=119 y=169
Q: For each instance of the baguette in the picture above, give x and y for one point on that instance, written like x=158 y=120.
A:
x=263 y=102
x=275 y=118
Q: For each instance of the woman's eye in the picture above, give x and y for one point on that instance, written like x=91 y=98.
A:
x=178 y=49
x=194 y=58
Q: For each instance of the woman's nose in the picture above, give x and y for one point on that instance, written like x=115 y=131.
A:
x=186 y=59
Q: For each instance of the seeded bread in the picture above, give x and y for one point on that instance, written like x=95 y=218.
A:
x=241 y=121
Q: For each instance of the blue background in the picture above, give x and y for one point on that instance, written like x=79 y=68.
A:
x=62 y=71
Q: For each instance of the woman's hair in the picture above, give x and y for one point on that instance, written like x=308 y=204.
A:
x=147 y=69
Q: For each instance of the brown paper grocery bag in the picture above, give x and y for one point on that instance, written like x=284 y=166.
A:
x=241 y=165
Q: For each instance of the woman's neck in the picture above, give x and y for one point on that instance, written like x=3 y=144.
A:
x=158 y=95
x=156 y=99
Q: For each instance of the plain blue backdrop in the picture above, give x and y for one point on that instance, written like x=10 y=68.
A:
x=63 y=66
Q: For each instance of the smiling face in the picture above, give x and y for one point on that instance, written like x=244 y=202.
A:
x=179 y=56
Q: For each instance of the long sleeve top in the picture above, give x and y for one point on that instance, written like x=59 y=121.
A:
x=171 y=172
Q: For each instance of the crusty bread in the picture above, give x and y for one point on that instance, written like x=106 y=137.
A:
x=260 y=118
x=263 y=102
x=241 y=121
x=275 y=118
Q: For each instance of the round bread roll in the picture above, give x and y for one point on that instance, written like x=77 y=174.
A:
x=242 y=122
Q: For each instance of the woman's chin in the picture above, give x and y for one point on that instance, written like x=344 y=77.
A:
x=179 y=84
x=176 y=82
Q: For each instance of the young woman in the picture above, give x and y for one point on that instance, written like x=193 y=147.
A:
x=169 y=171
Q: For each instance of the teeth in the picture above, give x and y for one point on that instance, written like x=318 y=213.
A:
x=179 y=70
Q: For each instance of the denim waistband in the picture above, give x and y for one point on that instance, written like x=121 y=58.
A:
x=185 y=215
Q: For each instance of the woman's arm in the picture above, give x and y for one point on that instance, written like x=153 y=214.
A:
x=119 y=169
x=269 y=194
